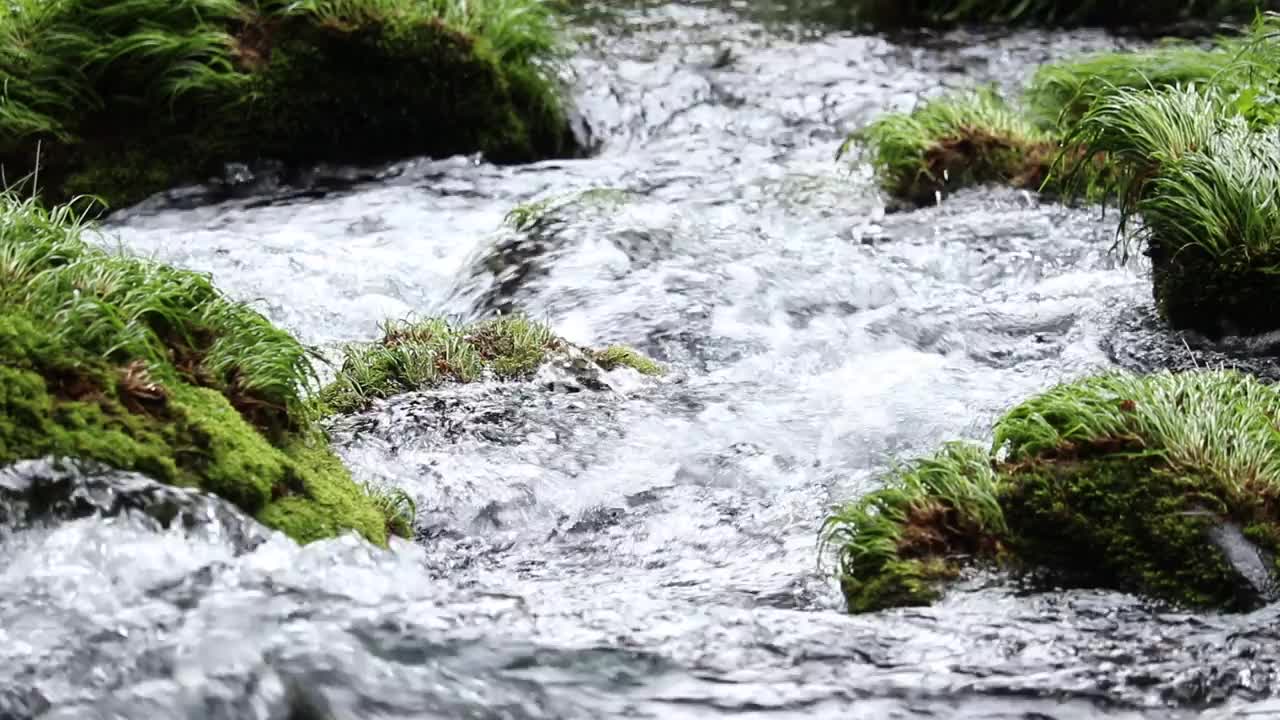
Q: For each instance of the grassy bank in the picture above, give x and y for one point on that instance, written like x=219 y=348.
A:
x=149 y=368
x=122 y=99
x=891 y=14
x=1113 y=482
x=1181 y=137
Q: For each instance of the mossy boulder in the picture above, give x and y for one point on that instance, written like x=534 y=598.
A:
x=1165 y=485
x=121 y=99
x=1203 y=175
x=416 y=355
x=147 y=368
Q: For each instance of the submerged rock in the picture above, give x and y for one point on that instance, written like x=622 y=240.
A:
x=51 y=490
x=1166 y=485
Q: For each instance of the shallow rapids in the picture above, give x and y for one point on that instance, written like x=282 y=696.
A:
x=647 y=550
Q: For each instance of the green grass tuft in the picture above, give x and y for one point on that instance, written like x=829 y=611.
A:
x=397 y=506
x=1062 y=92
x=149 y=368
x=125 y=97
x=897 y=544
x=1115 y=481
x=616 y=356
x=953 y=142
x=422 y=354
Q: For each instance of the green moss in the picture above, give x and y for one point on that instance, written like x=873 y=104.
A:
x=121 y=99
x=616 y=356
x=1115 y=481
x=150 y=369
x=954 y=142
x=532 y=215
x=897 y=544
x=1130 y=523
x=1062 y=92
x=417 y=355
x=321 y=500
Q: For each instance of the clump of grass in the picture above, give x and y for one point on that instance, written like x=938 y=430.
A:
x=1204 y=182
x=1062 y=92
x=1066 y=115
x=616 y=356
x=954 y=142
x=414 y=355
x=897 y=544
x=1114 y=481
x=1160 y=13
x=397 y=506
x=122 y=309
x=206 y=81
x=149 y=368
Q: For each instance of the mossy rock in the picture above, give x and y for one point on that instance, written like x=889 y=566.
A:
x=133 y=99
x=1166 y=486
x=365 y=93
x=147 y=368
x=417 y=355
x=1215 y=296
x=1125 y=523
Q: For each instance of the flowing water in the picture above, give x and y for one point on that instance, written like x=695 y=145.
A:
x=645 y=550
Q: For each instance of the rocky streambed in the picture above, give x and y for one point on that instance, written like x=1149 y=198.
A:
x=622 y=546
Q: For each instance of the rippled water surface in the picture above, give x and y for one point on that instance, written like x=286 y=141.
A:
x=647 y=550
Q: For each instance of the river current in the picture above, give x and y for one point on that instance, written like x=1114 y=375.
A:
x=646 y=550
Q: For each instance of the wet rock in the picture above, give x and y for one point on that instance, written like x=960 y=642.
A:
x=53 y=490
x=22 y=704
x=597 y=519
x=1140 y=341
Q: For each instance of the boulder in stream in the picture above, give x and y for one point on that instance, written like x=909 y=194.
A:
x=148 y=368
x=1165 y=485
x=123 y=99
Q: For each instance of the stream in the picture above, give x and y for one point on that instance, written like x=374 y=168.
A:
x=648 y=550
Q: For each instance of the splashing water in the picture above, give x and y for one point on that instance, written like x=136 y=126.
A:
x=648 y=550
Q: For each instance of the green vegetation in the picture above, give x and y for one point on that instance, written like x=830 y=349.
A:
x=955 y=142
x=397 y=506
x=978 y=137
x=422 y=354
x=1182 y=137
x=1114 y=481
x=616 y=356
x=1157 y=13
x=149 y=368
x=121 y=99
x=1061 y=92
x=899 y=543
x=1204 y=184
x=532 y=215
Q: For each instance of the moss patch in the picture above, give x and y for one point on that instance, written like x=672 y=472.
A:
x=148 y=368
x=417 y=355
x=124 y=99
x=1113 y=482
x=616 y=356
x=954 y=142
